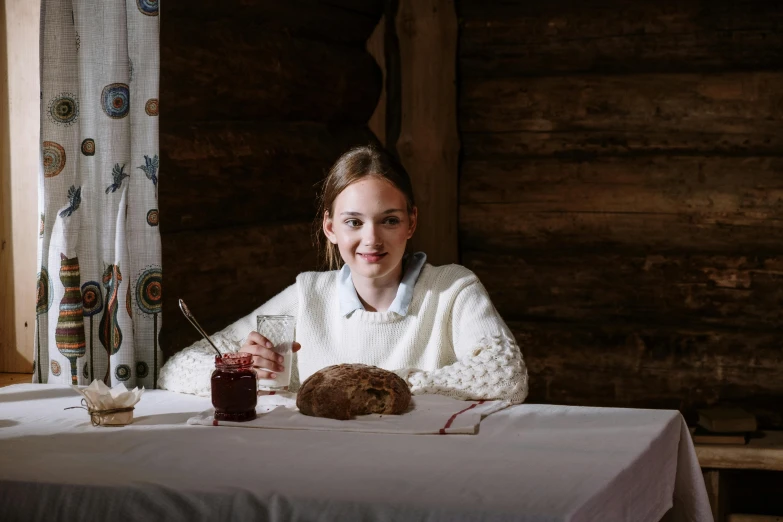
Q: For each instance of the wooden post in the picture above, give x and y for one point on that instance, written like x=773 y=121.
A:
x=19 y=158
x=427 y=142
x=716 y=492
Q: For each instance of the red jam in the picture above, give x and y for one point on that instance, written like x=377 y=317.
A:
x=234 y=387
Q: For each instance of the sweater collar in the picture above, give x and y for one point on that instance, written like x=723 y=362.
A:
x=349 y=299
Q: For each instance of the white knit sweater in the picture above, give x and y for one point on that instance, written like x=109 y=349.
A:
x=451 y=342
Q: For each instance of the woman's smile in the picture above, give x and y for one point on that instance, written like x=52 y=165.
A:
x=373 y=257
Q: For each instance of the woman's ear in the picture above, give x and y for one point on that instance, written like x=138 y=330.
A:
x=414 y=218
x=328 y=227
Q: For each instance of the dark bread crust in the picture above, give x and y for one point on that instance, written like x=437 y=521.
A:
x=344 y=390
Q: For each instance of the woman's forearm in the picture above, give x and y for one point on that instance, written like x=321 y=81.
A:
x=493 y=370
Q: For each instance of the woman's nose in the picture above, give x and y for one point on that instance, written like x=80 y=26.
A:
x=371 y=236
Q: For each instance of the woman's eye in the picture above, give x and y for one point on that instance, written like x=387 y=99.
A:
x=393 y=221
x=353 y=223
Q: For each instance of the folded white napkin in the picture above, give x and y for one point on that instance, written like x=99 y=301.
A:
x=106 y=404
x=430 y=414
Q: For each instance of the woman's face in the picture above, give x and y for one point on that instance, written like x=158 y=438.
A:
x=370 y=227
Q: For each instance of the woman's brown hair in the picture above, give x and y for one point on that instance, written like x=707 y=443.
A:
x=356 y=164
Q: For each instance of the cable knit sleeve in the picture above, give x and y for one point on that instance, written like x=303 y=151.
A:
x=489 y=362
x=189 y=370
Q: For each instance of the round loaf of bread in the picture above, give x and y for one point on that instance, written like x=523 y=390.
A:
x=344 y=390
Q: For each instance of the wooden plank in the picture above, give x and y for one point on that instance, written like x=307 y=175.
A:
x=7 y=379
x=760 y=453
x=716 y=493
x=8 y=352
x=19 y=160
x=223 y=274
x=511 y=228
x=744 y=517
x=560 y=36
x=312 y=19
x=668 y=184
x=222 y=174
x=230 y=70
x=428 y=144
x=587 y=144
x=639 y=204
x=371 y=7
x=614 y=364
x=666 y=105
x=708 y=292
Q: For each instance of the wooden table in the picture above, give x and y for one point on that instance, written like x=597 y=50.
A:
x=764 y=453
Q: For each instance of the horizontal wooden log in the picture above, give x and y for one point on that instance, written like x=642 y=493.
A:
x=228 y=174
x=512 y=228
x=666 y=203
x=662 y=106
x=346 y=22
x=666 y=184
x=223 y=70
x=709 y=292
x=649 y=367
x=540 y=38
x=619 y=142
x=224 y=274
x=368 y=7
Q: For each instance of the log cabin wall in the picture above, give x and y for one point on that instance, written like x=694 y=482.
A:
x=258 y=99
x=621 y=194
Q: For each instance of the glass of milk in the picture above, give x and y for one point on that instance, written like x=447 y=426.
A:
x=279 y=329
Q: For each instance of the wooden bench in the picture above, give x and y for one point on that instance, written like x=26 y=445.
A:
x=764 y=453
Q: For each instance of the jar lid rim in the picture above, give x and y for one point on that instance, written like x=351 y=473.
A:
x=234 y=359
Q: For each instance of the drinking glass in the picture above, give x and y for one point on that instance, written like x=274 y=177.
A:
x=279 y=329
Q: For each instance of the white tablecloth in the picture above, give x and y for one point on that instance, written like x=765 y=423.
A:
x=527 y=463
x=428 y=414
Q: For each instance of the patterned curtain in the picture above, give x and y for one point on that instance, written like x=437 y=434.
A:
x=99 y=286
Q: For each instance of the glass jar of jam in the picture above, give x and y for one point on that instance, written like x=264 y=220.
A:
x=234 y=387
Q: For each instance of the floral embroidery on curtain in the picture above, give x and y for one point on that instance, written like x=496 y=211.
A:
x=99 y=282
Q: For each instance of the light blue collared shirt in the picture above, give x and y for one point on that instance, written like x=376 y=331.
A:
x=349 y=299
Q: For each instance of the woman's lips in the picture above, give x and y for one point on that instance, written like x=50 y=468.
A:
x=372 y=258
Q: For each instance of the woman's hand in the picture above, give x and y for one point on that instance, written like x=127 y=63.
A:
x=265 y=361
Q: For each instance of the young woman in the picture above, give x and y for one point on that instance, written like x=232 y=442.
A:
x=434 y=326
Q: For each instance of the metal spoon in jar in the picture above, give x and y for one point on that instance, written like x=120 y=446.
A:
x=186 y=312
